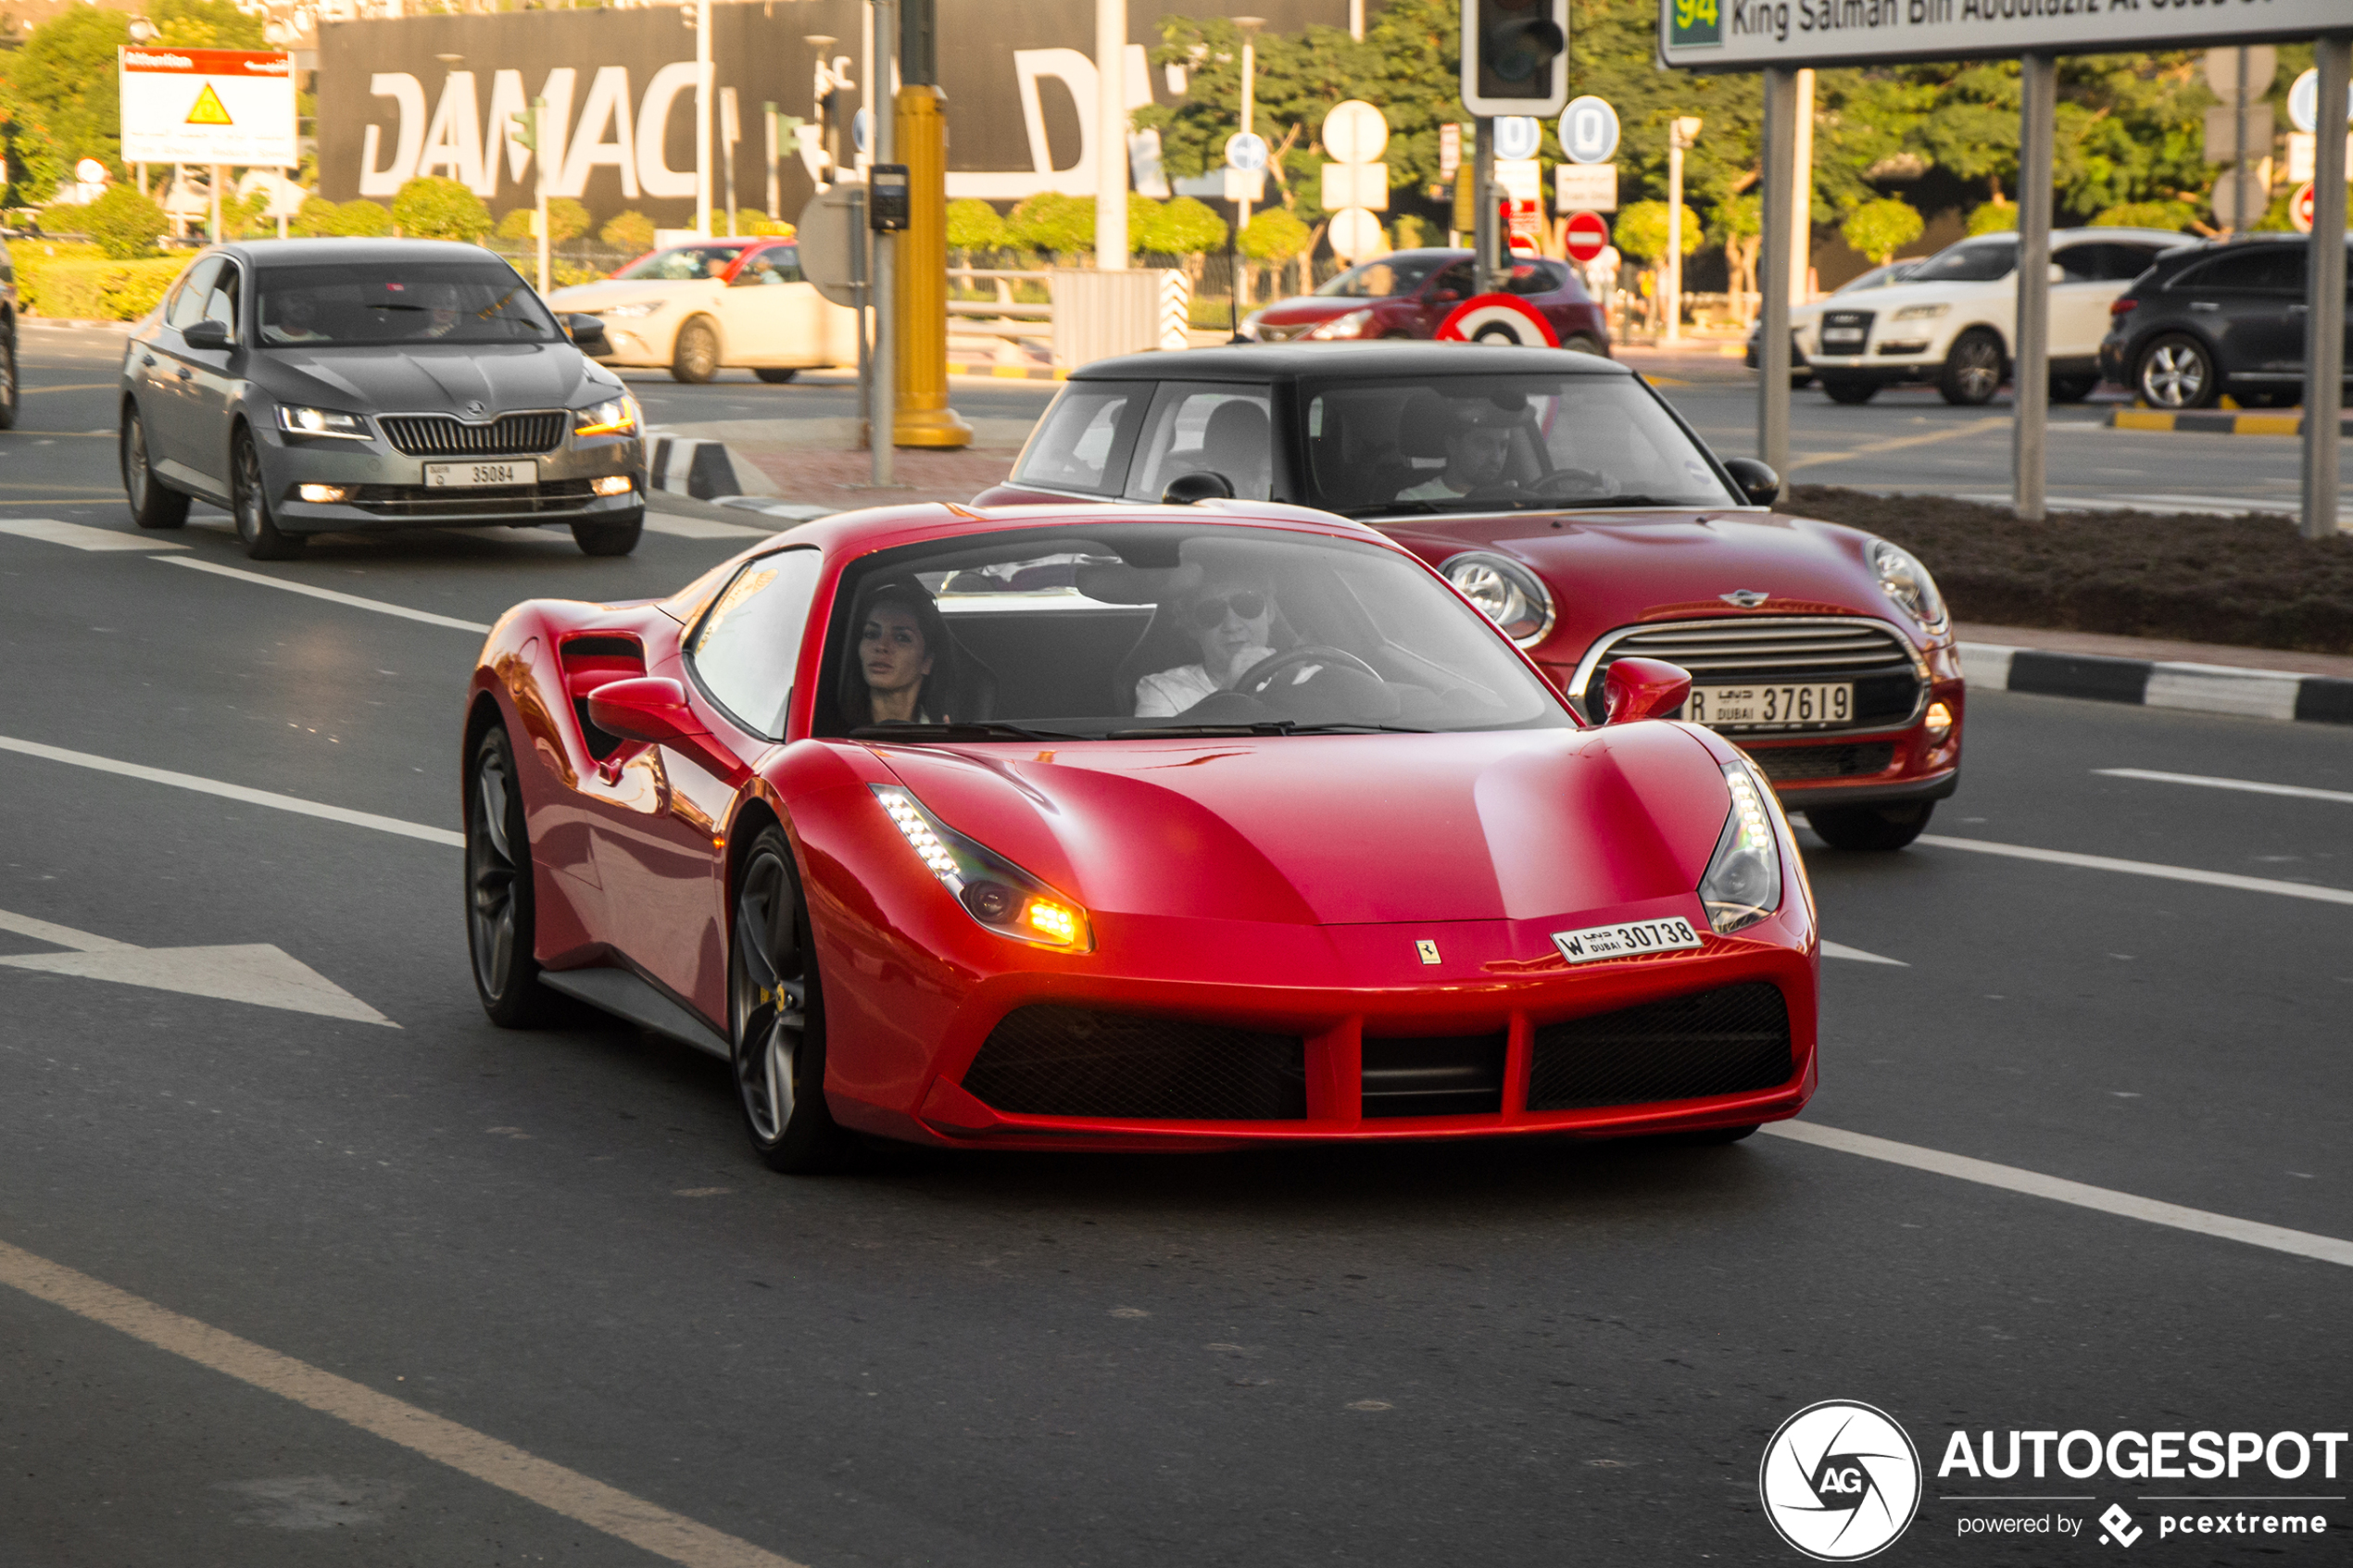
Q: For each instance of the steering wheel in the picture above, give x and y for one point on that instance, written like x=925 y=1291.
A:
x=1571 y=482
x=1261 y=675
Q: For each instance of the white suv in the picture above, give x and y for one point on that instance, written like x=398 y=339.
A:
x=1952 y=321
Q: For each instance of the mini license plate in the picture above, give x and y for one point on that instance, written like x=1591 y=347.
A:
x=453 y=476
x=1841 y=334
x=1732 y=707
x=1625 y=940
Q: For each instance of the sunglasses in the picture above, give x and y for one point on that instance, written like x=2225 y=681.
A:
x=1249 y=604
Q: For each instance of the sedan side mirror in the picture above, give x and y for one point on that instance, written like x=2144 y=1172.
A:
x=1756 y=481
x=207 y=334
x=1204 y=485
x=589 y=335
x=651 y=709
x=1636 y=689
x=1445 y=296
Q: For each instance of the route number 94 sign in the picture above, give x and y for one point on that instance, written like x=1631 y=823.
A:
x=207 y=105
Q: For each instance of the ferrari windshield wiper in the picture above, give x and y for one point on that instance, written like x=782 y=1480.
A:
x=1265 y=727
x=959 y=731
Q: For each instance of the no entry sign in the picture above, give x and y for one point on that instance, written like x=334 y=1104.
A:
x=1586 y=235
x=207 y=105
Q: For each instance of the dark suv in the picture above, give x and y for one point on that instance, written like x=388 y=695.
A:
x=2206 y=319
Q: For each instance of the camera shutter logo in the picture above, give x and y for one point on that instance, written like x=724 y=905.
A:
x=1841 y=1481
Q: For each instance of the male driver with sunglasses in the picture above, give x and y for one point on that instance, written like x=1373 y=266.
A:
x=1232 y=624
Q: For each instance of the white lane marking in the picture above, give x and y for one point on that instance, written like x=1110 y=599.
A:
x=1899 y=442
x=2251 y=787
x=234 y=792
x=81 y=536
x=60 y=935
x=2303 y=1244
x=679 y=526
x=553 y=1486
x=354 y=600
x=252 y=973
x=2144 y=868
x=1840 y=951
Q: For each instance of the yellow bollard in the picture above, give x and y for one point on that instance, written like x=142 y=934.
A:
x=924 y=417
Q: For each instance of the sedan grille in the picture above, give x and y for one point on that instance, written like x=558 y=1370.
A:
x=441 y=435
x=1729 y=1041
x=1726 y=651
x=556 y=498
x=1049 y=1060
x=1843 y=331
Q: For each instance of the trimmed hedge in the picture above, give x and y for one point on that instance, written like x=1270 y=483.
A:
x=2251 y=581
x=92 y=288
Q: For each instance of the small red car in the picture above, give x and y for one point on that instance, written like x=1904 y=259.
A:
x=1096 y=827
x=1409 y=294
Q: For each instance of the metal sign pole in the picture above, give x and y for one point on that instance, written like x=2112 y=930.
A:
x=1777 y=257
x=1484 y=240
x=882 y=141
x=2029 y=371
x=2324 y=315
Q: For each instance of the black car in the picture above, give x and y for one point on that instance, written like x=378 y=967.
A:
x=2223 y=317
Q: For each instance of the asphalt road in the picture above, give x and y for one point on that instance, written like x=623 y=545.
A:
x=557 y=1244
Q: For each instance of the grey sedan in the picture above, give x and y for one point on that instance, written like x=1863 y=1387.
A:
x=315 y=386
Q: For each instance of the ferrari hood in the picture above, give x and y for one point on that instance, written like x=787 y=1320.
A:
x=1343 y=829
x=427 y=378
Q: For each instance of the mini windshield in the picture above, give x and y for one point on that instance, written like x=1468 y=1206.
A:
x=1474 y=443
x=682 y=263
x=1971 y=261
x=1127 y=629
x=452 y=302
x=1379 y=279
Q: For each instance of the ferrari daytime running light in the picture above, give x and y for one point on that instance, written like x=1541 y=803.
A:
x=1505 y=592
x=296 y=421
x=1744 y=881
x=1349 y=325
x=1906 y=580
x=993 y=890
x=1921 y=312
x=616 y=416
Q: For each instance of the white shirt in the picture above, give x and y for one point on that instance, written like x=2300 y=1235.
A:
x=1435 y=489
x=1173 y=691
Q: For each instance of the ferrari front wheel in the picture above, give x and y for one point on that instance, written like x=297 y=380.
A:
x=776 y=1016
x=499 y=925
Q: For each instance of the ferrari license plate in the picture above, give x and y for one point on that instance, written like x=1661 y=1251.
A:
x=1625 y=940
x=1734 y=707
x=453 y=476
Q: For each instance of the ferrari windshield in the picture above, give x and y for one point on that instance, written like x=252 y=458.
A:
x=1484 y=443
x=1126 y=630
x=452 y=302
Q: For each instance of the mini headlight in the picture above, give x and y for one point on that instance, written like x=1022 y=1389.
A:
x=296 y=421
x=1507 y=592
x=1906 y=580
x=616 y=416
x=1744 y=881
x=1921 y=312
x=1343 y=326
x=993 y=890
x=631 y=312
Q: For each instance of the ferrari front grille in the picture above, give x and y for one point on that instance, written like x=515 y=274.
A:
x=1051 y=1060
x=441 y=435
x=1448 y=1075
x=1800 y=764
x=1728 y=1041
x=1728 y=650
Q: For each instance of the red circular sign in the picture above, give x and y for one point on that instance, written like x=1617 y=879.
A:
x=2299 y=208
x=1498 y=319
x=1587 y=235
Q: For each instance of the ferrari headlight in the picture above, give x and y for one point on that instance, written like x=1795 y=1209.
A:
x=993 y=890
x=1507 y=592
x=632 y=312
x=1921 y=312
x=1906 y=582
x=615 y=417
x=296 y=421
x=1343 y=326
x=1744 y=881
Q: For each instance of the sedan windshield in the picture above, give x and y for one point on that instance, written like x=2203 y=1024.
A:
x=1130 y=630
x=1474 y=443
x=1380 y=279
x=681 y=263
x=1971 y=261
x=452 y=302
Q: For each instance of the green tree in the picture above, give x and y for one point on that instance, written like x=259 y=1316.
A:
x=1143 y=214
x=1053 y=223
x=1186 y=227
x=1641 y=231
x=1740 y=222
x=64 y=75
x=974 y=225
x=631 y=232
x=2146 y=215
x=567 y=219
x=362 y=219
x=1879 y=229
x=316 y=217
x=1994 y=217
x=434 y=207
x=1273 y=236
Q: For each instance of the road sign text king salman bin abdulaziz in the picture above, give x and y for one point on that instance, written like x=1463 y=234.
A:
x=1744 y=35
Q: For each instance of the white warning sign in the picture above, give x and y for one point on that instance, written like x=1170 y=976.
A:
x=207 y=105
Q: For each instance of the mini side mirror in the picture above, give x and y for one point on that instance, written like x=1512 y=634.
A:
x=1636 y=689
x=207 y=334
x=1756 y=481
x=651 y=709
x=589 y=335
x=1202 y=485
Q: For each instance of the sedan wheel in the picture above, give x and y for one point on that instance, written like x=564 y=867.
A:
x=9 y=380
x=694 y=357
x=776 y=1016
x=776 y=375
x=1972 y=370
x=151 y=506
x=499 y=912
x=2176 y=372
x=249 y=498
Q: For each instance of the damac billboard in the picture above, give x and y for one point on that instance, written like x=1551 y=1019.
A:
x=440 y=96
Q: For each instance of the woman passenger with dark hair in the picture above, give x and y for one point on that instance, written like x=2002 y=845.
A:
x=902 y=662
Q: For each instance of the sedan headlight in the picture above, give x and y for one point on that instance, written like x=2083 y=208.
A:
x=630 y=312
x=1906 y=580
x=1507 y=592
x=295 y=420
x=616 y=416
x=1343 y=326
x=1921 y=312
x=993 y=890
x=1744 y=881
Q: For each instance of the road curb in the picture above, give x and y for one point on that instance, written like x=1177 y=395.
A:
x=1007 y=372
x=2216 y=423
x=700 y=469
x=2198 y=688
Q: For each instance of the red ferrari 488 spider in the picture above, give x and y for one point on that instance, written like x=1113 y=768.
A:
x=1053 y=827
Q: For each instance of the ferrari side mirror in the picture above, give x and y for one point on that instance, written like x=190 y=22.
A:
x=1756 y=481
x=1205 y=485
x=651 y=709
x=1636 y=689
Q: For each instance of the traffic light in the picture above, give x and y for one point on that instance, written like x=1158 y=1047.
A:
x=1514 y=57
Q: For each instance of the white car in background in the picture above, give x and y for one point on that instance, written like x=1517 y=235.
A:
x=1953 y=322
x=694 y=308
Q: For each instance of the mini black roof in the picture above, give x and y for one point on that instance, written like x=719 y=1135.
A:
x=1286 y=361
x=372 y=252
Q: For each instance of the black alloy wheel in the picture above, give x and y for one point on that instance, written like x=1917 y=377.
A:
x=1972 y=371
x=2176 y=372
x=1869 y=827
x=250 y=499
x=1850 y=389
x=9 y=379
x=776 y=1018
x=615 y=537
x=499 y=912
x=694 y=358
x=775 y=375
x=153 y=504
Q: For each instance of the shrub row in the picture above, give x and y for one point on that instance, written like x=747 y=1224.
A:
x=92 y=288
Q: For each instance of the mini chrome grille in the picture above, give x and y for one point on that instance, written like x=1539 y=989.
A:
x=1730 y=650
x=440 y=436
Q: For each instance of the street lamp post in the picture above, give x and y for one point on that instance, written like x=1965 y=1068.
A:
x=1111 y=135
x=1682 y=134
x=1249 y=26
